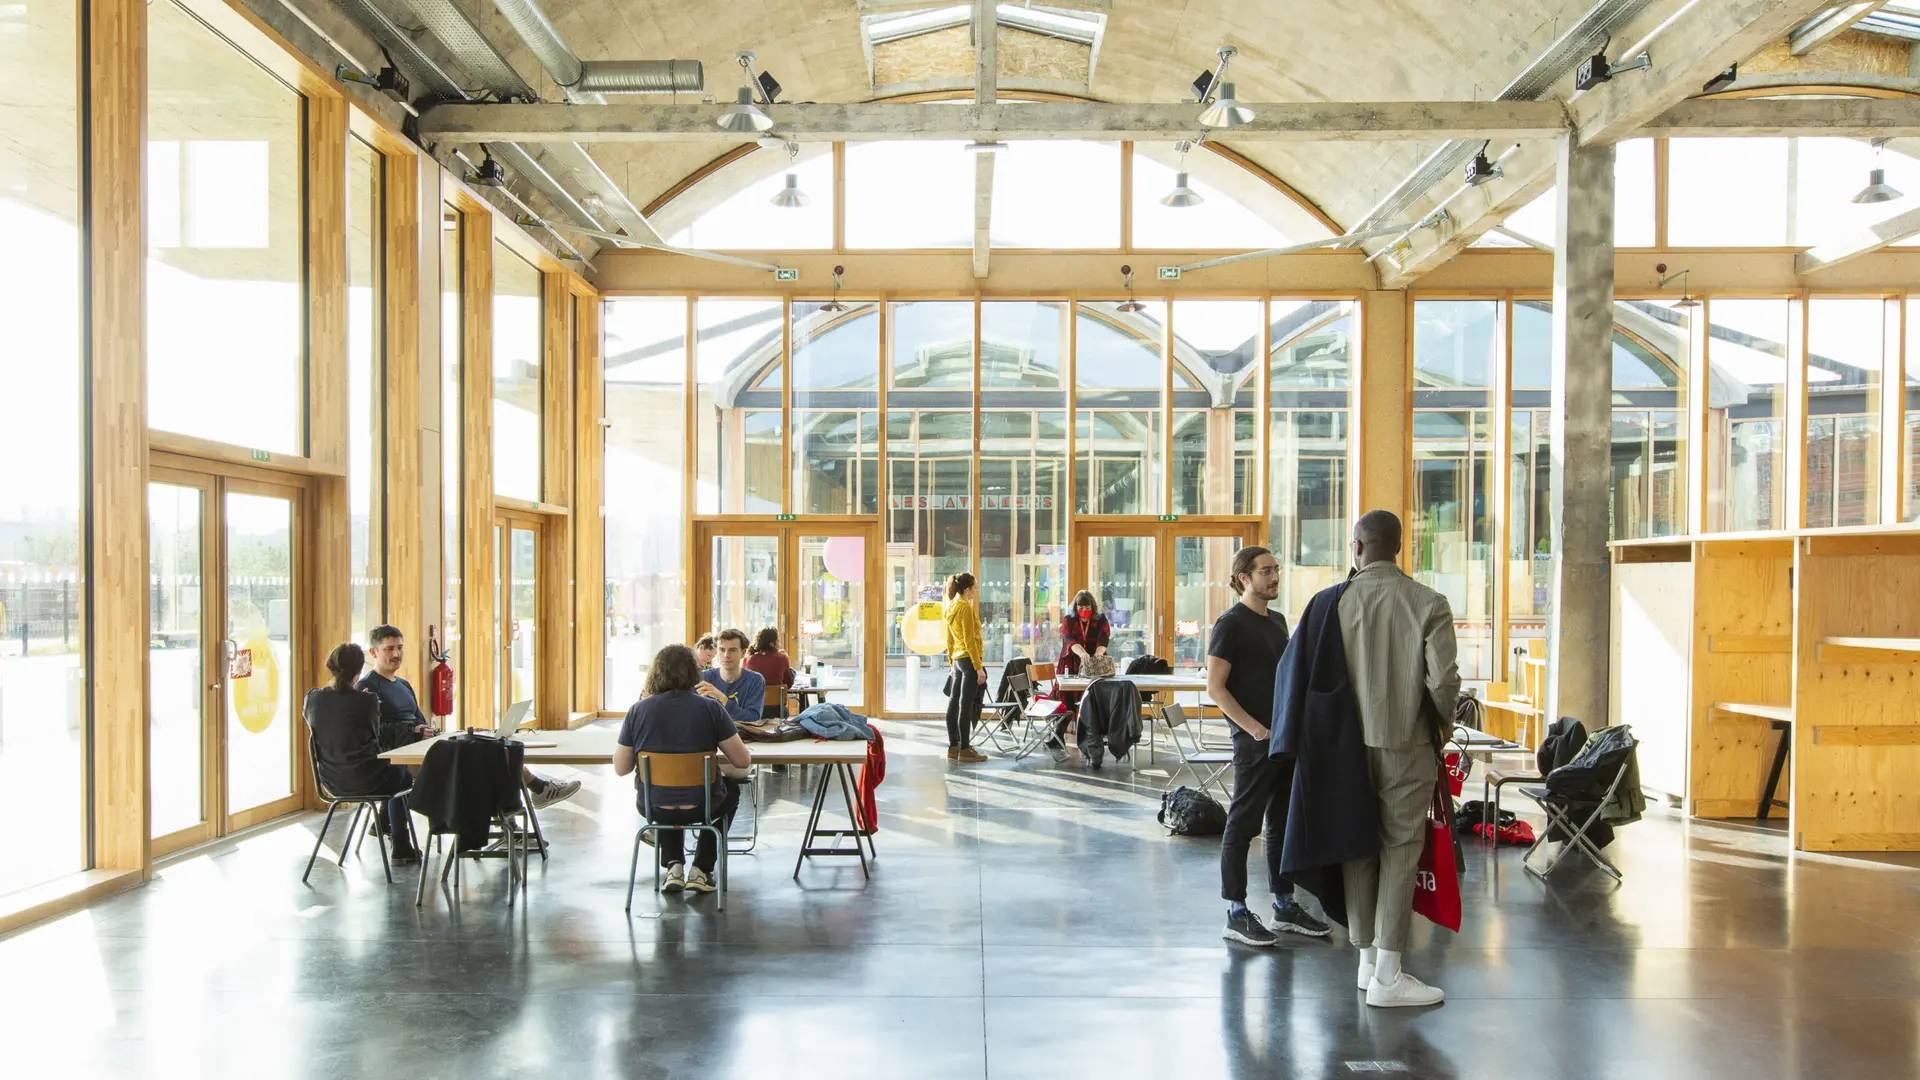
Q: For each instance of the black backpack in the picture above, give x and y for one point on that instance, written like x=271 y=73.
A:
x=1187 y=811
x=1148 y=665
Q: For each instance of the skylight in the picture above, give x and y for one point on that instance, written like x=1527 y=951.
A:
x=1082 y=27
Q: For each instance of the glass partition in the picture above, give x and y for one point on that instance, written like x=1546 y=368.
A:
x=836 y=407
x=740 y=376
x=1748 y=354
x=519 y=396
x=1456 y=345
x=1023 y=466
x=1216 y=445
x=1120 y=397
x=226 y=344
x=645 y=350
x=1309 y=495
x=1846 y=345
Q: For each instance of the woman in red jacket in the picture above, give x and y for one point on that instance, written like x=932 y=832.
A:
x=1084 y=634
x=766 y=658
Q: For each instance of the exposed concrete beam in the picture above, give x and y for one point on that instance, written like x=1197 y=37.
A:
x=1696 y=43
x=986 y=32
x=1865 y=242
x=1291 y=121
x=1833 y=117
x=1828 y=23
x=982 y=212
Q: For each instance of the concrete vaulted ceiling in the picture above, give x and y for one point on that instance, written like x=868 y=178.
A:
x=1376 y=50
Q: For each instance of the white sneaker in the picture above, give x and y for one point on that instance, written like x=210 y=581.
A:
x=676 y=878
x=698 y=881
x=557 y=791
x=1366 y=974
x=1403 y=991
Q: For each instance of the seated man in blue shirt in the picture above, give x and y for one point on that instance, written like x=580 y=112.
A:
x=401 y=721
x=735 y=686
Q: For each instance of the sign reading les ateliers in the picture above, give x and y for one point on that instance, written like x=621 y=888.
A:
x=965 y=502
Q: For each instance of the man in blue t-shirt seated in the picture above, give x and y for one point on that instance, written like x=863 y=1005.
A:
x=678 y=715
x=739 y=689
x=401 y=721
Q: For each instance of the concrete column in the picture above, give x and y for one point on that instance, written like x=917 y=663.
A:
x=1577 y=638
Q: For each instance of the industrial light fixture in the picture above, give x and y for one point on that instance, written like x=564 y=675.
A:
x=1687 y=299
x=387 y=80
x=1226 y=111
x=1877 y=189
x=1480 y=170
x=834 y=303
x=488 y=174
x=743 y=115
x=1131 y=306
x=790 y=197
x=1595 y=69
x=1182 y=195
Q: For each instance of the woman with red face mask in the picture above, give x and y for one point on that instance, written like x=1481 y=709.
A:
x=1083 y=635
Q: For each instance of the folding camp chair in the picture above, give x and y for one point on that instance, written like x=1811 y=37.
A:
x=1000 y=730
x=1199 y=756
x=1561 y=813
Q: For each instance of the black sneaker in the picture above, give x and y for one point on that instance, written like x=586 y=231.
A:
x=1247 y=929
x=401 y=855
x=1290 y=917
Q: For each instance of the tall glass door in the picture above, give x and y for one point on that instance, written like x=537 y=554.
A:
x=1160 y=585
x=828 y=629
x=516 y=603
x=1122 y=570
x=1202 y=589
x=222 y=631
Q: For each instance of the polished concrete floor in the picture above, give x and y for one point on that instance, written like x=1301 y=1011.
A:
x=1022 y=921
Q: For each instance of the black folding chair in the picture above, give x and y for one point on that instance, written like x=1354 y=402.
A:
x=1564 y=814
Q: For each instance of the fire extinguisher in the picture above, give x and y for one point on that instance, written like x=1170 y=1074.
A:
x=439 y=677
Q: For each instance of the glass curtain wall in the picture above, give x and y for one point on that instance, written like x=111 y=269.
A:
x=1456 y=348
x=1910 y=419
x=42 y=683
x=1308 y=453
x=1216 y=444
x=645 y=345
x=519 y=398
x=836 y=407
x=739 y=346
x=225 y=322
x=366 y=394
x=1023 y=467
x=929 y=516
x=1119 y=387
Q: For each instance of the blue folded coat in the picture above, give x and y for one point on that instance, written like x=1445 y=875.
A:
x=830 y=721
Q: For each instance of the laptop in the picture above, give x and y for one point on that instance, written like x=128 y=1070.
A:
x=511 y=720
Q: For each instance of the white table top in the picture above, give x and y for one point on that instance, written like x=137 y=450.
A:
x=1144 y=682
x=593 y=745
x=820 y=686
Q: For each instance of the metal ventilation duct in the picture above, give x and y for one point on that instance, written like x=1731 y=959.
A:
x=1582 y=40
x=584 y=81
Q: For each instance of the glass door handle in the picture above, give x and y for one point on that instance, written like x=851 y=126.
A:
x=228 y=648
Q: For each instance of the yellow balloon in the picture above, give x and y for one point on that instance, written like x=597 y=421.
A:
x=256 y=698
x=924 y=628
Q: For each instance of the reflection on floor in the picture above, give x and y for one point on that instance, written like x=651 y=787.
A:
x=1022 y=921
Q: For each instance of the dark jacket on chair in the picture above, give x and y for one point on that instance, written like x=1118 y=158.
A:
x=1332 y=816
x=465 y=781
x=1109 y=719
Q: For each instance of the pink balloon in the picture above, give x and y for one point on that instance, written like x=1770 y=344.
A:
x=846 y=557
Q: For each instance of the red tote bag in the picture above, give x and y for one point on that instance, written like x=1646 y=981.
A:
x=1436 y=887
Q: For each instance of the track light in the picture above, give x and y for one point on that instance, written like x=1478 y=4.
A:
x=1226 y=111
x=489 y=174
x=1130 y=306
x=1480 y=170
x=743 y=115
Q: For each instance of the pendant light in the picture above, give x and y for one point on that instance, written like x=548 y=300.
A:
x=1131 y=306
x=1182 y=195
x=1877 y=189
x=790 y=197
x=743 y=115
x=834 y=303
x=1226 y=110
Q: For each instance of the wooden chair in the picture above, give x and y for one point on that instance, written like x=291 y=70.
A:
x=678 y=770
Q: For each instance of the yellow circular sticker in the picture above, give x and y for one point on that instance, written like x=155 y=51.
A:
x=923 y=628
x=255 y=695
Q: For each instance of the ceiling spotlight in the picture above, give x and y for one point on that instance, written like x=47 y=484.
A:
x=771 y=142
x=1877 y=189
x=743 y=115
x=489 y=174
x=1130 y=306
x=1181 y=195
x=1226 y=111
x=834 y=304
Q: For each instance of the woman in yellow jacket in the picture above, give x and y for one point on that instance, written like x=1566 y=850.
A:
x=969 y=676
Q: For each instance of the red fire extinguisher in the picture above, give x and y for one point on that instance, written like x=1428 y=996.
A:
x=439 y=677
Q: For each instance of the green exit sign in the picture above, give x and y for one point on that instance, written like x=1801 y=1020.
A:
x=1169 y=517
x=262 y=455
x=786 y=517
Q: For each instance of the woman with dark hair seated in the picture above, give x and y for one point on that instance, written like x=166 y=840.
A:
x=773 y=665
x=1084 y=634
x=671 y=718
x=345 y=722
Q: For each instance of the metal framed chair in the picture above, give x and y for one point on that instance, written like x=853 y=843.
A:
x=363 y=805
x=751 y=783
x=1199 y=756
x=1560 y=813
x=1000 y=730
x=678 y=770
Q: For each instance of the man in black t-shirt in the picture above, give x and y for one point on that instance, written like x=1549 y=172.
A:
x=1243 y=656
